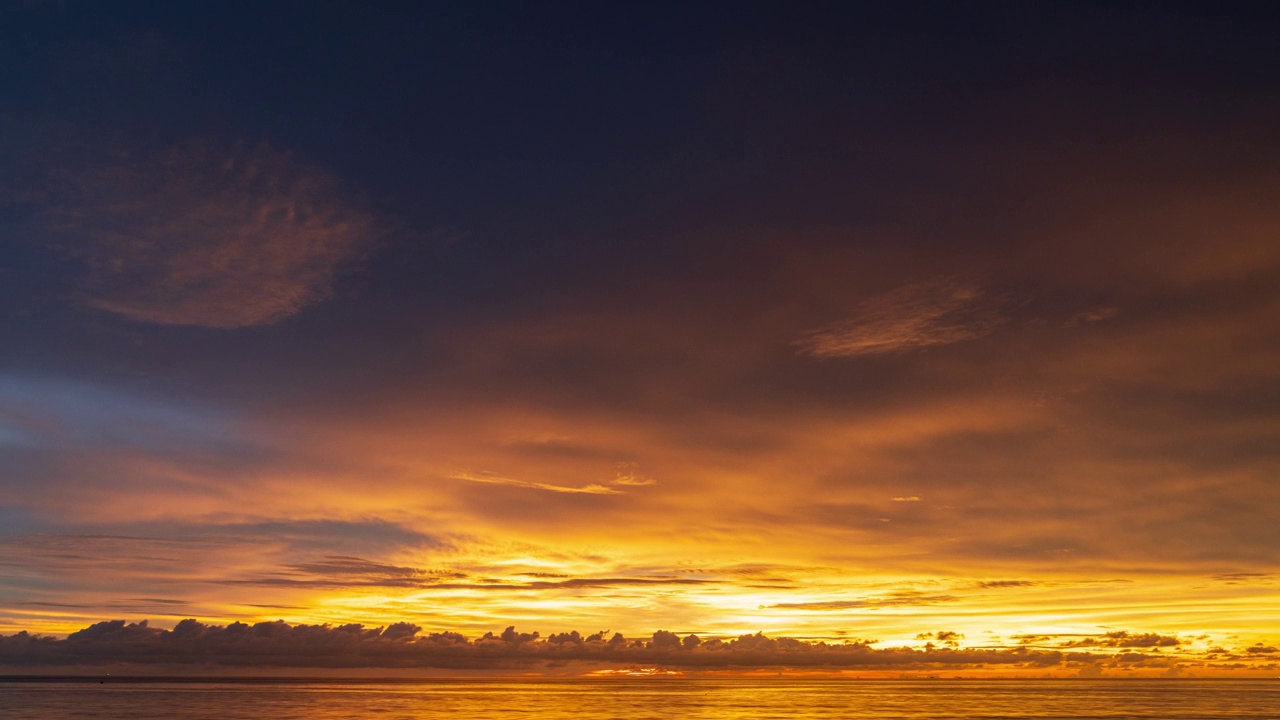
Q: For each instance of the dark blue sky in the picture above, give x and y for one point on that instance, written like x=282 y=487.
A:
x=516 y=154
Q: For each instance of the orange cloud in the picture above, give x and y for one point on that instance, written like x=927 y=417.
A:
x=490 y=479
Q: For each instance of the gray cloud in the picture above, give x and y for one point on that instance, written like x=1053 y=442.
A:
x=1125 y=639
x=192 y=646
x=920 y=315
x=347 y=565
x=279 y=644
x=991 y=584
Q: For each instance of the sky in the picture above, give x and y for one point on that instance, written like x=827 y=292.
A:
x=475 y=336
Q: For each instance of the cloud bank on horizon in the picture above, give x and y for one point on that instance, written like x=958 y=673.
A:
x=194 y=645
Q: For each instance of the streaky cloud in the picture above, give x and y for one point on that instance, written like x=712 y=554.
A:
x=994 y=584
x=491 y=479
x=869 y=603
x=1091 y=316
x=911 y=317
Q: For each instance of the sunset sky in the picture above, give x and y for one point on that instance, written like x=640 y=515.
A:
x=908 y=327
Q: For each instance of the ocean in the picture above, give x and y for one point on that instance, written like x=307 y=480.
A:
x=644 y=699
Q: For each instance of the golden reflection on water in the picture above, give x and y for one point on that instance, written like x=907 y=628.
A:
x=651 y=698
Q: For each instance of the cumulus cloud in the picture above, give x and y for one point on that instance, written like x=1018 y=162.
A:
x=264 y=645
x=401 y=645
x=220 y=237
x=1126 y=639
x=950 y=638
x=920 y=315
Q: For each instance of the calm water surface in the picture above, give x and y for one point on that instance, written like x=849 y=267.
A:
x=651 y=699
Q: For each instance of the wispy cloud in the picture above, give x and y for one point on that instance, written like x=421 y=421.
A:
x=200 y=235
x=903 y=600
x=627 y=476
x=920 y=315
x=1243 y=577
x=994 y=584
x=1096 y=315
x=491 y=479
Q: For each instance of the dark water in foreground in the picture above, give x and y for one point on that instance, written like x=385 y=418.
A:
x=651 y=698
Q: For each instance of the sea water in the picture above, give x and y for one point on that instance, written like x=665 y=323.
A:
x=644 y=699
